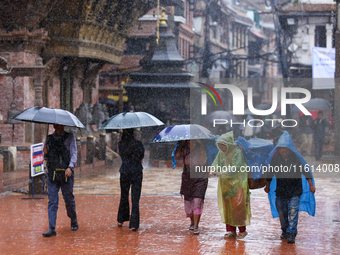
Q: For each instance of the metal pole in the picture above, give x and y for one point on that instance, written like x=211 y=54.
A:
x=337 y=83
x=281 y=51
x=12 y=134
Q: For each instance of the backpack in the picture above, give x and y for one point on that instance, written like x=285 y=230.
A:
x=58 y=157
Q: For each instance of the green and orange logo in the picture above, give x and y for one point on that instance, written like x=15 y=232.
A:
x=204 y=96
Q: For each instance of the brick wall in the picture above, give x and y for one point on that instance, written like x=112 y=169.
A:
x=23 y=160
x=23 y=95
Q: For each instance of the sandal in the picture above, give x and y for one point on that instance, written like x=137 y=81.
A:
x=242 y=235
x=192 y=226
x=196 y=231
x=230 y=235
x=120 y=224
x=134 y=229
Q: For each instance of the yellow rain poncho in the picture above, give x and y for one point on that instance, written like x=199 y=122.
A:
x=232 y=192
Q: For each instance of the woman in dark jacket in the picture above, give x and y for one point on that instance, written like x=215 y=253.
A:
x=131 y=152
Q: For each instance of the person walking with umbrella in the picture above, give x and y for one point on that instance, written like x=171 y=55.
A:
x=61 y=153
x=131 y=175
x=131 y=152
x=193 y=153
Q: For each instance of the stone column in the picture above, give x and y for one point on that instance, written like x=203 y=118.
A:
x=329 y=33
x=7 y=161
x=38 y=88
x=90 y=149
x=102 y=146
x=114 y=141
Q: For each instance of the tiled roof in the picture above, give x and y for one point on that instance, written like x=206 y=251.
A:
x=310 y=8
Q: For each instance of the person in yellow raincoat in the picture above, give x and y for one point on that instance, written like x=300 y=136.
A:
x=233 y=191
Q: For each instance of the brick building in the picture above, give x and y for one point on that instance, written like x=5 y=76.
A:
x=55 y=49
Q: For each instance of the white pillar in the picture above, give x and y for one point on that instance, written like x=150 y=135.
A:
x=329 y=32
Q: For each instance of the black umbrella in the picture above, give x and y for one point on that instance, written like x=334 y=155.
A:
x=105 y=100
x=49 y=116
x=315 y=104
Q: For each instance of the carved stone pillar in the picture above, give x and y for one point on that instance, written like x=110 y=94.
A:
x=102 y=146
x=38 y=101
x=90 y=149
x=114 y=141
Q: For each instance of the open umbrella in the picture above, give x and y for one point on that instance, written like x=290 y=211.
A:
x=105 y=100
x=219 y=115
x=128 y=120
x=183 y=132
x=315 y=104
x=49 y=116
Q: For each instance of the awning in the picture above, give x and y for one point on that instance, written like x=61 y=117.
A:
x=257 y=34
x=116 y=98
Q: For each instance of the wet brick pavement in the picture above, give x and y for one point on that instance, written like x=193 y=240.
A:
x=164 y=228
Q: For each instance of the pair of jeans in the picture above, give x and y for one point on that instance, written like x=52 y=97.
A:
x=318 y=143
x=288 y=209
x=127 y=180
x=53 y=199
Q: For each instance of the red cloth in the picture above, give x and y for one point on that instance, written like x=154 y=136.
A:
x=233 y=229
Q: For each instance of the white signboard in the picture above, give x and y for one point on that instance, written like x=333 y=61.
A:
x=37 y=159
x=323 y=63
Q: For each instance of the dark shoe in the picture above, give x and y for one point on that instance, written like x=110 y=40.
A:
x=49 y=233
x=284 y=235
x=120 y=224
x=134 y=229
x=74 y=226
x=291 y=238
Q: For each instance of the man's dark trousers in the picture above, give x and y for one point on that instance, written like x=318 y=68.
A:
x=318 y=143
x=53 y=199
